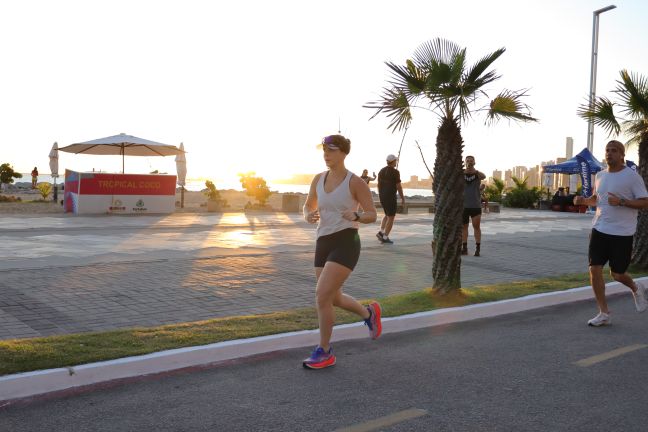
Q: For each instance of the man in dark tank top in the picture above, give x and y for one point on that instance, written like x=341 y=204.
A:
x=472 y=205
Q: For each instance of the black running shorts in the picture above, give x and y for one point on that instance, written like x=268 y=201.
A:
x=342 y=247
x=388 y=203
x=607 y=247
x=470 y=213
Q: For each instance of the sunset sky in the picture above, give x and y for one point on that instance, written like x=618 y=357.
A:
x=254 y=85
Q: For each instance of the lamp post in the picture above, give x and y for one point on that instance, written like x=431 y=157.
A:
x=592 y=92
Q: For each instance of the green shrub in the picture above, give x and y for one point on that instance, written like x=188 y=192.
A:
x=520 y=196
x=213 y=194
x=45 y=189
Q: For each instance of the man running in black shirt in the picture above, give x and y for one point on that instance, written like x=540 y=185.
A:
x=389 y=183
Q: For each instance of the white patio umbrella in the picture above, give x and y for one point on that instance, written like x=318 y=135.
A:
x=181 y=169
x=54 y=167
x=123 y=145
x=53 y=161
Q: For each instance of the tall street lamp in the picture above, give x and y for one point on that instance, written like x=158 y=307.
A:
x=592 y=92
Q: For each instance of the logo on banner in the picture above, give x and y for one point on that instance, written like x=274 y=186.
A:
x=586 y=177
x=631 y=165
x=139 y=206
x=117 y=205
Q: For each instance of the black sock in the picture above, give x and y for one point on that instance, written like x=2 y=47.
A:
x=369 y=309
x=464 y=245
x=478 y=245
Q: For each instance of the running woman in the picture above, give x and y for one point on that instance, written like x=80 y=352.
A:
x=334 y=200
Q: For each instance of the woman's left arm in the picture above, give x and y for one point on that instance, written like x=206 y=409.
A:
x=361 y=192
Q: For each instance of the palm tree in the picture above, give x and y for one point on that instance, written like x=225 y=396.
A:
x=439 y=76
x=632 y=95
x=494 y=191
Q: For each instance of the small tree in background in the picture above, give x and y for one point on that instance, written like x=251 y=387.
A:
x=45 y=189
x=255 y=187
x=521 y=196
x=7 y=174
x=493 y=192
x=213 y=195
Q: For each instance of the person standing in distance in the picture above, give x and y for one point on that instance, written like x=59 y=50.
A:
x=34 y=176
x=334 y=200
x=472 y=205
x=365 y=176
x=619 y=192
x=389 y=183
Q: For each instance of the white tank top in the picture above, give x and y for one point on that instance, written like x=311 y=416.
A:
x=331 y=206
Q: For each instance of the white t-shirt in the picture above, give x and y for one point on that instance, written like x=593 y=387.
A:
x=617 y=220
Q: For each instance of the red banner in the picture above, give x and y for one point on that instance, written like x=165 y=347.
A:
x=127 y=184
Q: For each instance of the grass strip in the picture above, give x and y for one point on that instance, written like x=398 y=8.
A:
x=23 y=355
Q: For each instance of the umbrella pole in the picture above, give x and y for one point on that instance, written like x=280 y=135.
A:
x=55 y=197
x=181 y=196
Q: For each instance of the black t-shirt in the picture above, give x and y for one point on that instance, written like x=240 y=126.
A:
x=388 y=178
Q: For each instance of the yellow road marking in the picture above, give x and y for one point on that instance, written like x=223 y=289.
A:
x=589 y=361
x=382 y=422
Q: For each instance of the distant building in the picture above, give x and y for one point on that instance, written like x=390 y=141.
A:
x=569 y=148
x=508 y=180
x=533 y=176
x=415 y=183
x=497 y=175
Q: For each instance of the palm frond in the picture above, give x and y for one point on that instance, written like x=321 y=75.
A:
x=442 y=61
x=408 y=76
x=508 y=105
x=473 y=87
x=601 y=114
x=632 y=90
x=396 y=106
x=636 y=128
x=476 y=71
x=436 y=51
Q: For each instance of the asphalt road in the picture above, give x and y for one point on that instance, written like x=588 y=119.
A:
x=535 y=371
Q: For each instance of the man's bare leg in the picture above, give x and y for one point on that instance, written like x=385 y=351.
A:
x=598 y=285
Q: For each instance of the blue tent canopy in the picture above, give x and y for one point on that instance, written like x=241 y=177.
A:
x=573 y=166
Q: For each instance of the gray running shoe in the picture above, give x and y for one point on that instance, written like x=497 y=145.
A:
x=380 y=237
x=640 y=299
x=602 y=319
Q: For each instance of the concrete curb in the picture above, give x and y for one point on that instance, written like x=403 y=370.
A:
x=35 y=383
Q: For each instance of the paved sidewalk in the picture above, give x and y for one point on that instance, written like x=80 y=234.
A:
x=69 y=274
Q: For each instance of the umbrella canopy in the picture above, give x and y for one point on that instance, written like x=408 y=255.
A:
x=181 y=166
x=573 y=166
x=53 y=161
x=123 y=145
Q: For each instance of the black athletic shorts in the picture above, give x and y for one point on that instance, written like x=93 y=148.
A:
x=607 y=247
x=342 y=247
x=469 y=213
x=388 y=204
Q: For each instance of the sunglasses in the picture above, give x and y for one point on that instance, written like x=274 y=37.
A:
x=329 y=141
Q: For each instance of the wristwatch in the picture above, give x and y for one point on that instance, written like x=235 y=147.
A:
x=357 y=218
x=622 y=202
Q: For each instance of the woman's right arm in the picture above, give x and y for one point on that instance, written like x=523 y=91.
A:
x=311 y=215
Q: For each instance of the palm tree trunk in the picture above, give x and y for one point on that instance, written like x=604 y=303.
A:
x=448 y=190
x=640 y=248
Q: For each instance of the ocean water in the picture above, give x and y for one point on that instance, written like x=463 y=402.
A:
x=198 y=185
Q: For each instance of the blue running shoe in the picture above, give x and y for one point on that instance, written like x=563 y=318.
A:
x=320 y=359
x=373 y=322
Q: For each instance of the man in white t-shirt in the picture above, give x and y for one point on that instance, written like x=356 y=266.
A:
x=619 y=193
